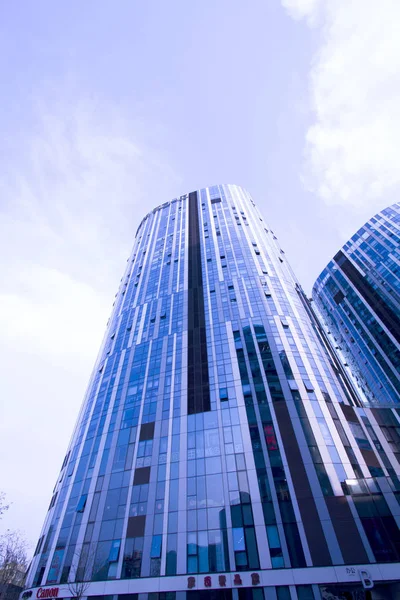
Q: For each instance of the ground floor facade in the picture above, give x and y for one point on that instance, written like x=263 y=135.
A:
x=358 y=582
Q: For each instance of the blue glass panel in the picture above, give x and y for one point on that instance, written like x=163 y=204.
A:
x=156 y=546
x=114 y=551
x=238 y=538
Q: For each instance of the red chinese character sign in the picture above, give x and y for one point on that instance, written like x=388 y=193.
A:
x=237 y=580
x=222 y=580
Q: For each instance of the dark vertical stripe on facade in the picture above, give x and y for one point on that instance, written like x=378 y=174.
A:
x=371 y=297
x=317 y=543
x=345 y=527
x=198 y=380
x=349 y=412
x=346 y=531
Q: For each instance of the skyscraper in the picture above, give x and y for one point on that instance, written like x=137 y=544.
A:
x=358 y=296
x=219 y=452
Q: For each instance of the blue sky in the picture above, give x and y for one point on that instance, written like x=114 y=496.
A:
x=109 y=109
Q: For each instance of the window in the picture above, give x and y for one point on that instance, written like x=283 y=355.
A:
x=81 y=504
x=308 y=385
x=295 y=547
x=114 y=551
x=156 y=546
x=238 y=539
x=359 y=436
x=145 y=448
x=147 y=431
x=223 y=394
x=275 y=547
x=305 y=592
x=55 y=566
x=132 y=558
x=283 y=592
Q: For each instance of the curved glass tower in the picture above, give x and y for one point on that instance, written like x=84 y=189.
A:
x=219 y=452
x=358 y=296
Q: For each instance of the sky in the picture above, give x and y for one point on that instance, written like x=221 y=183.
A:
x=109 y=109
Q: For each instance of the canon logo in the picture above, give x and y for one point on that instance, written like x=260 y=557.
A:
x=47 y=593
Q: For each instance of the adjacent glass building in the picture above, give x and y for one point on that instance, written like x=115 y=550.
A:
x=358 y=296
x=221 y=452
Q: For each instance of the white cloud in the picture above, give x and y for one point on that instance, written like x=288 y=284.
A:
x=73 y=189
x=77 y=184
x=352 y=146
x=49 y=312
x=299 y=9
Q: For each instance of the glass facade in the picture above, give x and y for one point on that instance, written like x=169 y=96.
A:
x=358 y=296
x=220 y=451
